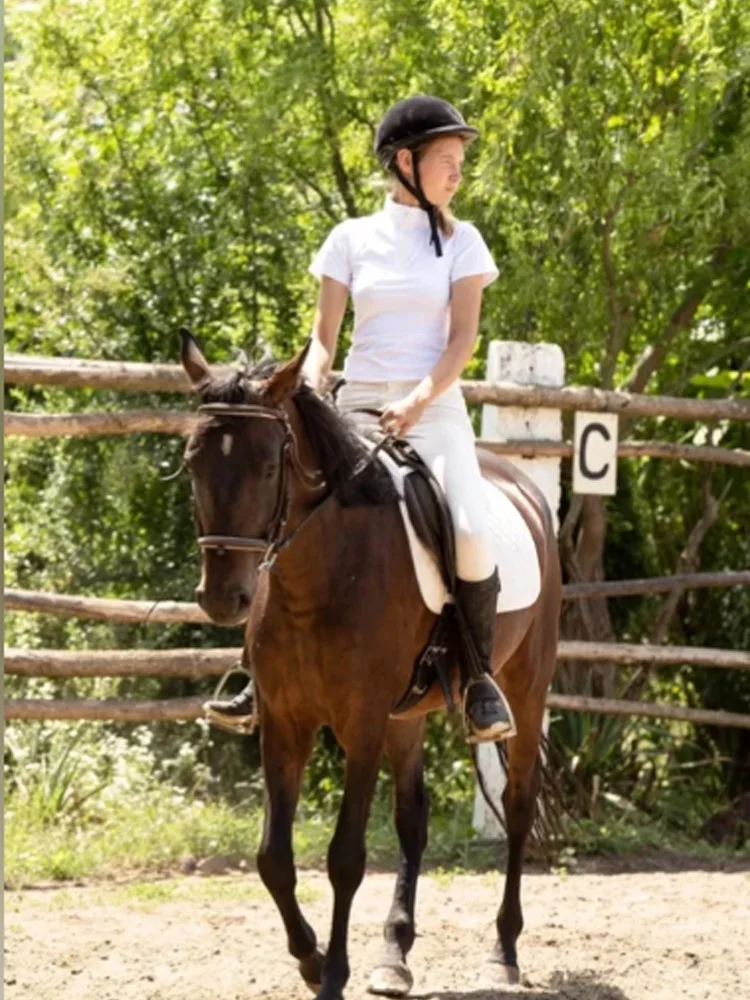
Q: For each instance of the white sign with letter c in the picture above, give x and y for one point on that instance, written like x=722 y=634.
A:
x=595 y=453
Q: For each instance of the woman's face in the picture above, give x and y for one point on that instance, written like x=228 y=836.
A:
x=440 y=166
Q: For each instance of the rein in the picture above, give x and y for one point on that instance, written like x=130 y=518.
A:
x=276 y=541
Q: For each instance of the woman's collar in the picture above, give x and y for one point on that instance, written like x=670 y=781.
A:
x=406 y=216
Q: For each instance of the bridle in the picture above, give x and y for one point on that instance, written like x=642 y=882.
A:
x=276 y=541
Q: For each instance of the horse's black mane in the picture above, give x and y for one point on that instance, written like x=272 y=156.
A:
x=338 y=449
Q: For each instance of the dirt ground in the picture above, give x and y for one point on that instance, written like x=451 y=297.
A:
x=597 y=935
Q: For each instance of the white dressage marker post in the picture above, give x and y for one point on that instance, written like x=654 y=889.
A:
x=526 y=364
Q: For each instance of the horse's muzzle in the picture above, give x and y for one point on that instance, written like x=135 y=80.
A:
x=227 y=607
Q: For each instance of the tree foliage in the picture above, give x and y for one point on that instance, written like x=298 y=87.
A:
x=178 y=163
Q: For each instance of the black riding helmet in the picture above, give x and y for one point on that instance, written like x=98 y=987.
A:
x=407 y=125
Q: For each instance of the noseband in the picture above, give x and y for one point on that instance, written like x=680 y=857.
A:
x=270 y=546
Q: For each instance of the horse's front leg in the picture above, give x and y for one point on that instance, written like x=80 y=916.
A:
x=404 y=748
x=346 y=853
x=285 y=749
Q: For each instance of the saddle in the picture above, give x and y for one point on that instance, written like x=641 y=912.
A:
x=426 y=505
x=431 y=519
x=430 y=532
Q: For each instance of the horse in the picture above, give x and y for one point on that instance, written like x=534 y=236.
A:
x=289 y=514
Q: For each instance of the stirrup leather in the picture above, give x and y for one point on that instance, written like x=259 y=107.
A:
x=433 y=664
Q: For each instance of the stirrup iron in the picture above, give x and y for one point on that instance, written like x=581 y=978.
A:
x=242 y=724
x=503 y=729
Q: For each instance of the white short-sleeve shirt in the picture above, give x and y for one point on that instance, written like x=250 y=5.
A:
x=400 y=288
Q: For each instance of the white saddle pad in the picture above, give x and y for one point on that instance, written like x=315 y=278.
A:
x=514 y=550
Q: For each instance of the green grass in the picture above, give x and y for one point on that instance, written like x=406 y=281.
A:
x=620 y=836
x=151 y=834
x=154 y=832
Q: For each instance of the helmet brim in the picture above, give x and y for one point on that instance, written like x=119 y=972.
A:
x=465 y=131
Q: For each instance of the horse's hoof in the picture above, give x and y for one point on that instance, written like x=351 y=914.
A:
x=499 y=974
x=311 y=969
x=391 y=980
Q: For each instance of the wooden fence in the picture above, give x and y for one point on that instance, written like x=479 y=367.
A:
x=44 y=425
x=196 y=664
x=201 y=663
x=136 y=377
x=184 y=612
x=72 y=373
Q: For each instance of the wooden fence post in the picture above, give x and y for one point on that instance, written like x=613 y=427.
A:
x=525 y=364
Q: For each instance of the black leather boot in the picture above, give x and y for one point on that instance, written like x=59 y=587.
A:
x=238 y=715
x=487 y=714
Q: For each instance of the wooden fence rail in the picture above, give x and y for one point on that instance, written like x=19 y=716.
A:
x=105 y=609
x=190 y=663
x=625 y=449
x=656 y=584
x=45 y=425
x=176 y=422
x=197 y=663
x=71 y=373
x=105 y=710
x=629 y=654
x=188 y=709
x=183 y=612
x=575 y=397
x=646 y=709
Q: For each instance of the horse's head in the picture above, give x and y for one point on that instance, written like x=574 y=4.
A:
x=238 y=462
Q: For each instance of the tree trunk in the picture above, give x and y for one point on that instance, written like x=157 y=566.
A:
x=582 y=540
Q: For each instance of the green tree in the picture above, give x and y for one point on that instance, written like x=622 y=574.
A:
x=179 y=162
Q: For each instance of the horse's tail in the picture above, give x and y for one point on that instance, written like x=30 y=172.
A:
x=547 y=832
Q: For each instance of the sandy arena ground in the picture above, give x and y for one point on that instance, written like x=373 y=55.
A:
x=617 y=935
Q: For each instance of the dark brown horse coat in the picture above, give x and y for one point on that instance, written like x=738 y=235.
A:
x=340 y=626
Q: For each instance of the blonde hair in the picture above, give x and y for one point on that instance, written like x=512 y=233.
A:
x=446 y=218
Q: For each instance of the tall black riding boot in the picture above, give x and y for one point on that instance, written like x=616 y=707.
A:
x=487 y=714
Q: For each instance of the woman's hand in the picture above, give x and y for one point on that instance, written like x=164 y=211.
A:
x=399 y=418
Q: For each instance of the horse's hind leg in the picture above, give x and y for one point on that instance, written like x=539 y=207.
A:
x=527 y=675
x=285 y=753
x=519 y=803
x=404 y=748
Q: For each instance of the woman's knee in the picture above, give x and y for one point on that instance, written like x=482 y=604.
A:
x=475 y=559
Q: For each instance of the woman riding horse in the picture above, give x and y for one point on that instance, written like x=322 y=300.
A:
x=301 y=536
x=416 y=276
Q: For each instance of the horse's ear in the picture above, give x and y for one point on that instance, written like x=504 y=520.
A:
x=195 y=365
x=286 y=379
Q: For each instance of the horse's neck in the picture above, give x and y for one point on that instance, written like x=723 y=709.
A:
x=330 y=538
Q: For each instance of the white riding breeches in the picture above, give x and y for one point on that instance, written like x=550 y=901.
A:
x=444 y=440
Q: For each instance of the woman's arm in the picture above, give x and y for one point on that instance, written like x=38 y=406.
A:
x=466 y=305
x=329 y=316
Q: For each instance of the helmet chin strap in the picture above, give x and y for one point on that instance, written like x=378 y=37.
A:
x=418 y=192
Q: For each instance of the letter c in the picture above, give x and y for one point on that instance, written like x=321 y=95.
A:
x=585 y=470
